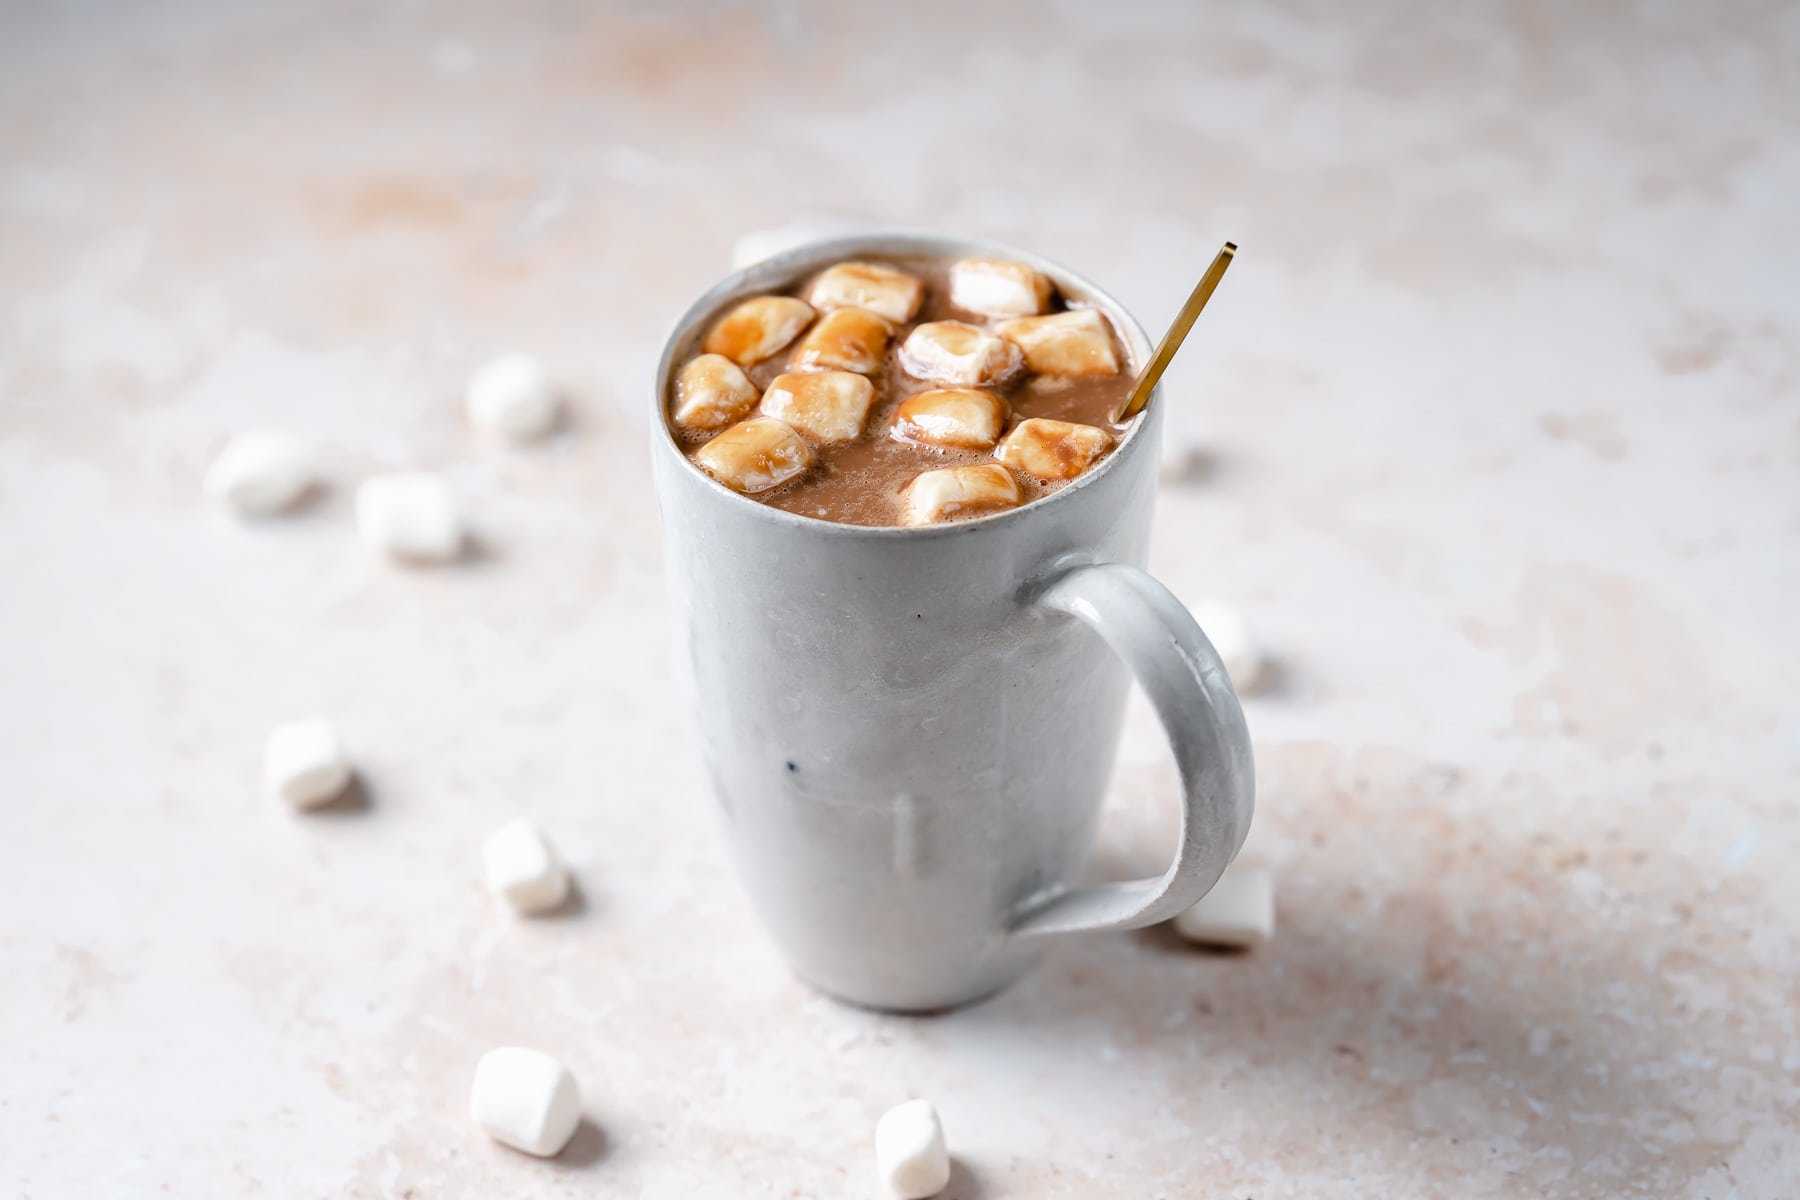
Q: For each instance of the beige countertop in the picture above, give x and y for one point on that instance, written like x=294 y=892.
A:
x=1502 y=425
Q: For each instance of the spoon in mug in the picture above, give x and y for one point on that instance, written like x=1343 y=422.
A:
x=1171 y=341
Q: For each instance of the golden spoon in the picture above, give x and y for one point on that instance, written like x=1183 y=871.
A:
x=1171 y=341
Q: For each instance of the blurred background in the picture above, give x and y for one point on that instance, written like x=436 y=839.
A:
x=1493 y=433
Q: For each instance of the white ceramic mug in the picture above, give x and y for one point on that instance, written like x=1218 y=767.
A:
x=910 y=730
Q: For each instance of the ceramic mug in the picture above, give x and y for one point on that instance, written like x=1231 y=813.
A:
x=910 y=730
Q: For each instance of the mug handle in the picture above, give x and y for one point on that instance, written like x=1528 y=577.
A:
x=1181 y=674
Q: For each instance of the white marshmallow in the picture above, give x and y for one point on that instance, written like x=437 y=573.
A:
x=954 y=418
x=847 y=339
x=826 y=406
x=756 y=455
x=521 y=869
x=512 y=398
x=951 y=493
x=881 y=289
x=410 y=515
x=1238 y=912
x=261 y=472
x=712 y=392
x=910 y=1154
x=997 y=288
x=1077 y=342
x=756 y=328
x=1244 y=660
x=1053 y=449
x=957 y=353
x=525 y=1099
x=304 y=763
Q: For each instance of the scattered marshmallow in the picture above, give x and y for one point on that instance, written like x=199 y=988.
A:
x=758 y=327
x=512 y=398
x=304 y=763
x=892 y=293
x=1230 y=636
x=951 y=493
x=826 y=406
x=957 y=353
x=758 y=244
x=756 y=455
x=712 y=392
x=997 y=288
x=410 y=515
x=521 y=869
x=1238 y=912
x=910 y=1153
x=847 y=339
x=953 y=418
x=1053 y=449
x=261 y=472
x=1078 y=342
x=525 y=1099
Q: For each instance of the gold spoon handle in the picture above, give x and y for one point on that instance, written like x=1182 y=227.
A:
x=1171 y=341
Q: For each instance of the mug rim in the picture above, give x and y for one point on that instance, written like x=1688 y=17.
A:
x=781 y=270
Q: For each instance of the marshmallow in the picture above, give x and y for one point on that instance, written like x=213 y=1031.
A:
x=1238 y=912
x=521 y=869
x=756 y=455
x=410 y=515
x=826 y=406
x=847 y=339
x=1077 y=342
x=910 y=1154
x=1053 y=449
x=996 y=288
x=712 y=392
x=884 y=290
x=756 y=328
x=950 y=493
x=512 y=398
x=525 y=1099
x=1230 y=637
x=304 y=763
x=260 y=473
x=954 y=418
x=954 y=352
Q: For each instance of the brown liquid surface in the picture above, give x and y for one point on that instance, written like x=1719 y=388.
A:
x=859 y=482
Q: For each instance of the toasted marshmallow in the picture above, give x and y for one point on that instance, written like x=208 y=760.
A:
x=953 y=352
x=1053 y=449
x=826 y=406
x=756 y=455
x=1239 y=911
x=712 y=392
x=1077 y=342
x=954 y=418
x=997 y=288
x=950 y=493
x=894 y=294
x=847 y=339
x=756 y=328
x=525 y=1099
x=911 y=1155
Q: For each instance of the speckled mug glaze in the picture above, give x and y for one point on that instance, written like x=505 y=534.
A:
x=910 y=731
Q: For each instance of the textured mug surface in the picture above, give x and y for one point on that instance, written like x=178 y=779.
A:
x=910 y=731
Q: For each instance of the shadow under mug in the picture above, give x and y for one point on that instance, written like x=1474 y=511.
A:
x=910 y=730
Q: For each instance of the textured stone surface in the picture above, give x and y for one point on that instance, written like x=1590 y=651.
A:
x=1499 y=425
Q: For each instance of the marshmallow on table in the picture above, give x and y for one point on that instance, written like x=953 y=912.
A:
x=884 y=290
x=1230 y=637
x=954 y=418
x=304 y=763
x=997 y=288
x=910 y=1154
x=410 y=515
x=1238 y=912
x=949 y=493
x=758 y=327
x=958 y=353
x=826 y=406
x=712 y=392
x=756 y=455
x=521 y=869
x=1078 y=342
x=261 y=472
x=847 y=339
x=525 y=1099
x=1053 y=449
x=512 y=397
